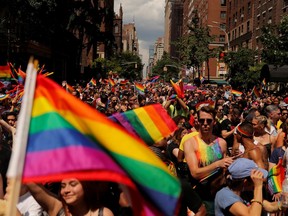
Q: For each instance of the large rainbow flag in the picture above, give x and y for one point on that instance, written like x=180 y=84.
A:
x=68 y=138
x=151 y=123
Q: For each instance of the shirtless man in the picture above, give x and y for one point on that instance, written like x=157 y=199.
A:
x=257 y=153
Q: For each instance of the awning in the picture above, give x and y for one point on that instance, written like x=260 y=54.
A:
x=219 y=82
x=274 y=74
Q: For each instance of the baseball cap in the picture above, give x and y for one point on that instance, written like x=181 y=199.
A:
x=241 y=168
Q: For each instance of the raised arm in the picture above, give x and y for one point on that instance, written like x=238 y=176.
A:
x=47 y=200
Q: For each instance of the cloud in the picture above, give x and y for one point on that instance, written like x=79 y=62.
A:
x=148 y=16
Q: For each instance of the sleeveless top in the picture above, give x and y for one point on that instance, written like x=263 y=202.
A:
x=207 y=154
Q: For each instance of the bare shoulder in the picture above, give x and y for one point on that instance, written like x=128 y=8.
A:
x=106 y=212
x=222 y=142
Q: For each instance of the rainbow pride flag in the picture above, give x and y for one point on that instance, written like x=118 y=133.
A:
x=209 y=103
x=235 y=92
x=124 y=82
x=256 y=92
x=111 y=82
x=92 y=82
x=86 y=145
x=178 y=87
x=139 y=88
x=5 y=72
x=276 y=176
x=202 y=79
x=264 y=82
x=151 y=123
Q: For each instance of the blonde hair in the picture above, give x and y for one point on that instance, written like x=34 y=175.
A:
x=263 y=120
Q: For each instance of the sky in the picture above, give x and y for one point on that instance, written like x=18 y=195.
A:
x=148 y=16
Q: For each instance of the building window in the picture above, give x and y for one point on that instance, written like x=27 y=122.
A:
x=223 y=26
x=116 y=29
x=223 y=14
x=222 y=38
x=248 y=26
x=223 y=2
x=249 y=8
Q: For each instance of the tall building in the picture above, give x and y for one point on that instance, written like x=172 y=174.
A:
x=267 y=12
x=117 y=32
x=213 y=15
x=158 y=49
x=173 y=25
x=240 y=16
x=130 y=39
x=150 y=61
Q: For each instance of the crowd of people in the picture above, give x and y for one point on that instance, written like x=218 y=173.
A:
x=222 y=151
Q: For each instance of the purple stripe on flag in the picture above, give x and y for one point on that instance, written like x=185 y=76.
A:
x=72 y=158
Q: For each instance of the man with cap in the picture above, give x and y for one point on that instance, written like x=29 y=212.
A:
x=243 y=175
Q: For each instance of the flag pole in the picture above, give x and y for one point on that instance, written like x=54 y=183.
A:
x=17 y=160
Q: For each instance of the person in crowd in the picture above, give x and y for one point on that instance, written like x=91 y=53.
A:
x=206 y=157
x=243 y=175
x=228 y=127
x=257 y=153
x=283 y=117
x=261 y=133
x=76 y=198
x=176 y=106
x=273 y=114
x=173 y=152
x=219 y=118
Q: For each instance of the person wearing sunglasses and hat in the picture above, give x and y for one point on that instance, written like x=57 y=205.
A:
x=205 y=155
x=243 y=175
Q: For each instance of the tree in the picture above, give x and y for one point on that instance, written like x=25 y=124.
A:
x=126 y=65
x=242 y=68
x=194 y=47
x=274 y=39
x=172 y=68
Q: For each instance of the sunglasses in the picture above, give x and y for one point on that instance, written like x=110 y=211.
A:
x=202 y=121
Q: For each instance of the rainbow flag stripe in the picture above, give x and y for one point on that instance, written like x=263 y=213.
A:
x=124 y=82
x=209 y=103
x=235 y=92
x=111 y=82
x=5 y=71
x=276 y=176
x=178 y=87
x=140 y=88
x=151 y=123
x=256 y=92
x=84 y=144
x=3 y=96
x=92 y=82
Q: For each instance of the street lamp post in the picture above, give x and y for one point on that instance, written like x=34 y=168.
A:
x=226 y=34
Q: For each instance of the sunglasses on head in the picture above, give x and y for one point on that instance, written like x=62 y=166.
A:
x=202 y=121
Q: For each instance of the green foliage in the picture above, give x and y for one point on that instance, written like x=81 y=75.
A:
x=194 y=47
x=172 y=68
x=243 y=72
x=274 y=39
x=127 y=65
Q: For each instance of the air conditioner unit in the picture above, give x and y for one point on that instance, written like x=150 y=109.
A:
x=235 y=20
x=242 y=15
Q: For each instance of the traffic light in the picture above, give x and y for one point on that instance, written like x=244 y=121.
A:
x=221 y=56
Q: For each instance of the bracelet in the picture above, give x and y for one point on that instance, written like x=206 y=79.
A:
x=256 y=201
